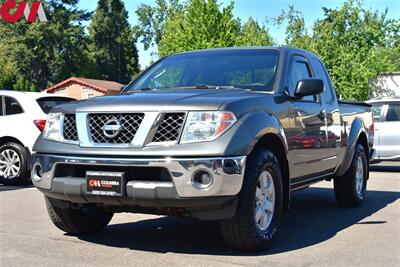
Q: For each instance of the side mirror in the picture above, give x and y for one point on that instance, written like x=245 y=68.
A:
x=309 y=87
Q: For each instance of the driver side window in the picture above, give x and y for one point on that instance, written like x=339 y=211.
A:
x=299 y=70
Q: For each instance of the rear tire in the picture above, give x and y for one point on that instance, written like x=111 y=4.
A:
x=350 y=189
x=260 y=205
x=77 y=220
x=14 y=164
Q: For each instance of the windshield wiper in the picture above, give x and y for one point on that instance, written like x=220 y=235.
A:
x=199 y=86
x=205 y=86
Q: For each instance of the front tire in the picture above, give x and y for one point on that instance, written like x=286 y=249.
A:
x=350 y=189
x=77 y=220
x=14 y=164
x=260 y=204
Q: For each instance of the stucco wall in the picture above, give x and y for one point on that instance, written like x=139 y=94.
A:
x=76 y=91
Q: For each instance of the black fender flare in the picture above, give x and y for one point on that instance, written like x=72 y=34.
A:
x=357 y=128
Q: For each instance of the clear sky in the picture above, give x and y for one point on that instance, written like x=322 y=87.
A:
x=260 y=10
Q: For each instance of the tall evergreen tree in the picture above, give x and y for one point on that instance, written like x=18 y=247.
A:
x=112 y=43
x=33 y=56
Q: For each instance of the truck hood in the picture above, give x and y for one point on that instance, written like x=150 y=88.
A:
x=165 y=100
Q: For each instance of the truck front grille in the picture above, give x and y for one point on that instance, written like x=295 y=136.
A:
x=70 y=132
x=170 y=128
x=129 y=123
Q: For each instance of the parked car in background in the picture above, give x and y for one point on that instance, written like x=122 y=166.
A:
x=387 y=128
x=22 y=118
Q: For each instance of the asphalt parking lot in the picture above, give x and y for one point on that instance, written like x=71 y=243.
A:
x=314 y=233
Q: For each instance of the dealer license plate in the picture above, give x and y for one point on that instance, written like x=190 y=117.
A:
x=105 y=183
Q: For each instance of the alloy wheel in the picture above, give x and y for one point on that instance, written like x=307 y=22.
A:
x=10 y=164
x=359 y=177
x=265 y=201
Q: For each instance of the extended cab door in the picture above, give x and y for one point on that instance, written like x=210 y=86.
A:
x=330 y=110
x=307 y=133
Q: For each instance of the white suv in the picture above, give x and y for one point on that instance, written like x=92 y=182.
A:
x=387 y=128
x=22 y=118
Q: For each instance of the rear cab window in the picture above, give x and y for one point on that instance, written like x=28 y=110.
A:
x=47 y=103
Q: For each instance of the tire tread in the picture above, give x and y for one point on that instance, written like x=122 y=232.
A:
x=239 y=232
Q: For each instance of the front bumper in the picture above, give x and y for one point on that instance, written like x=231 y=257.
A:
x=227 y=174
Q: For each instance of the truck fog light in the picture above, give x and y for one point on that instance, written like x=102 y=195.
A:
x=202 y=180
x=37 y=173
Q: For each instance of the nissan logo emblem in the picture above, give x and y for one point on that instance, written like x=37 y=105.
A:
x=112 y=128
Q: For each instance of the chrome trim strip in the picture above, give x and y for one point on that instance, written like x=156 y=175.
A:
x=83 y=129
x=329 y=158
x=144 y=129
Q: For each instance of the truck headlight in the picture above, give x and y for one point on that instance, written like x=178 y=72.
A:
x=53 y=127
x=206 y=126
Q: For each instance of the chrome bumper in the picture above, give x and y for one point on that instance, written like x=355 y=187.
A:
x=227 y=173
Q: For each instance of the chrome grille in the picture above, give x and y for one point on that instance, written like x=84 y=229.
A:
x=70 y=132
x=130 y=123
x=170 y=127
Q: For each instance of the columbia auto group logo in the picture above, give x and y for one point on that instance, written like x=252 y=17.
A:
x=12 y=11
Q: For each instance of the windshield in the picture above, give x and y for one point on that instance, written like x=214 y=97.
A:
x=248 y=69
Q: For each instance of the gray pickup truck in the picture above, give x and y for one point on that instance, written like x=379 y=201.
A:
x=220 y=134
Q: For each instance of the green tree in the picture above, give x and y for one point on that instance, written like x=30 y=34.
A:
x=356 y=44
x=352 y=41
x=8 y=67
x=253 y=34
x=175 y=26
x=202 y=24
x=44 y=53
x=296 y=30
x=152 y=20
x=394 y=44
x=112 y=43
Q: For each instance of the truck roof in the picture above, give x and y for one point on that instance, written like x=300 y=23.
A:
x=278 y=48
